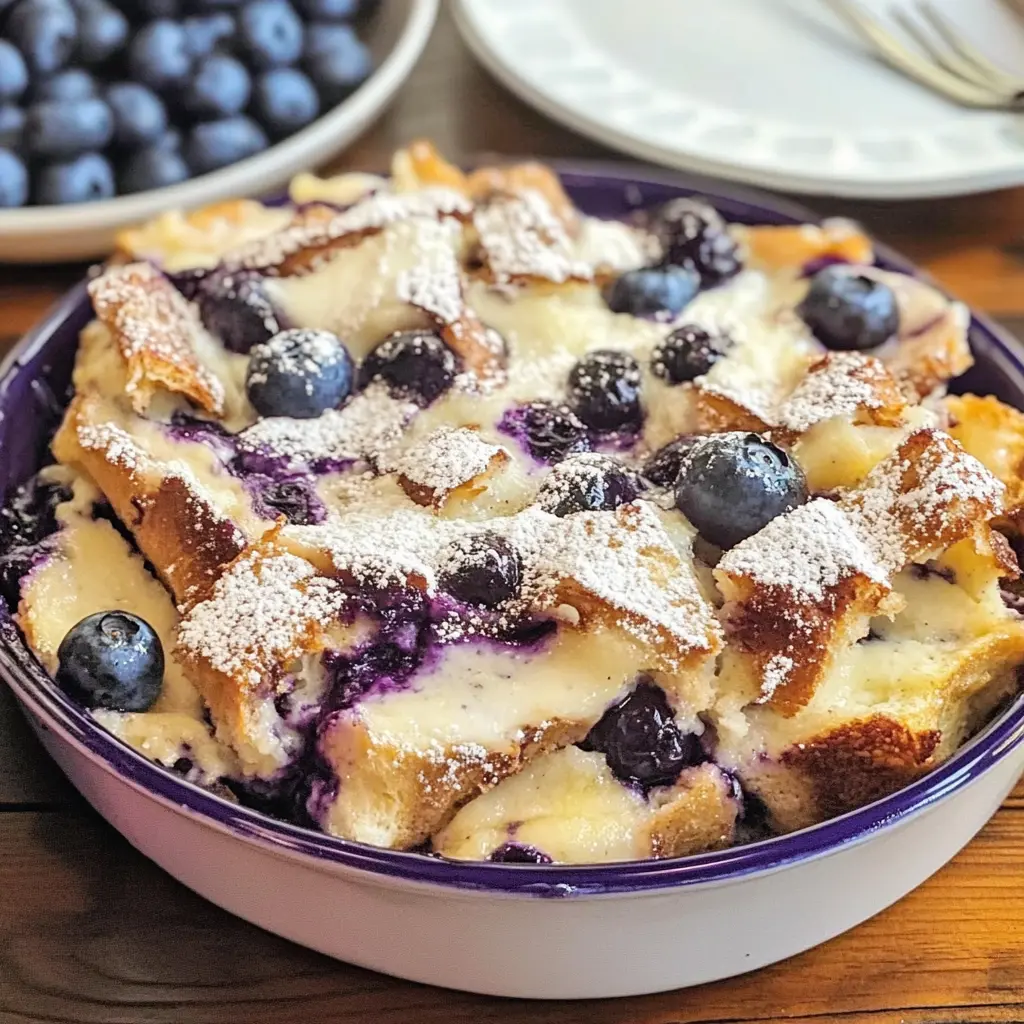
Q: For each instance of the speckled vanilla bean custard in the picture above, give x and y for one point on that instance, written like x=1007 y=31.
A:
x=434 y=514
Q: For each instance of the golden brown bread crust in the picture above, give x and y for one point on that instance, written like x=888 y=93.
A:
x=931 y=358
x=185 y=538
x=922 y=499
x=154 y=329
x=423 y=787
x=698 y=815
x=779 y=247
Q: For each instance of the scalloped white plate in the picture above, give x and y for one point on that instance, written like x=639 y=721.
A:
x=769 y=92
x=48 y=234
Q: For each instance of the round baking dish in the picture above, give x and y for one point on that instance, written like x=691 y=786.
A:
x=515 y=930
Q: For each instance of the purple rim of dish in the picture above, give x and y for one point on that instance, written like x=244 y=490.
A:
x=605 y=189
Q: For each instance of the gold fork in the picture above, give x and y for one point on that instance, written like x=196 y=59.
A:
x=951 y=65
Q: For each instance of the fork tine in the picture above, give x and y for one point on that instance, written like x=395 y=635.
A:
x=947 y=58
x=896 y=55
x=967 y=51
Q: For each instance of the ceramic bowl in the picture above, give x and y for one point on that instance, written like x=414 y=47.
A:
x=48 y=234
x=514 y=930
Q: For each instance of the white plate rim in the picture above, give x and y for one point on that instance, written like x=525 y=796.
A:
x=1005 y=174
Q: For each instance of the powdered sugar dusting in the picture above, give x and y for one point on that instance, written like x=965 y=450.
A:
x=434 y=282
x=840 y=385
x=261 y=614
x=521 y=237
x=446 y=459
x=368 y=427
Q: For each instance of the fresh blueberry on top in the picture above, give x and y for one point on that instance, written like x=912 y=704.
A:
x=152 y=167
x=45 y=31
x=590 y=482
x=414 y=364
x=483 y=569
x=59 y=130
x=518 y=853
x=730 y=486
x=12 y=124
x=284 y=100
x=296 y=500
x=336 y=60
x=158 y=55
x=102 y=30
x=112 y=660
x=662 y=468
x=13 y=72
x=654 y=290
x=140 y=117
x=299 y=373
x=214 y=144
x=235 y=307
x=693 y=234
x=604 y=390
x=847 y=311
x=687 y=353
x=270 y=33
x=642 y=741
x=218 y=87
x=549 y=431
x=81 y=180
x=13 y=180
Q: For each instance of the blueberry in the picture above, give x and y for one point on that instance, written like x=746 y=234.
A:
x=848 y=311
x=296 y=500
x=84 y=179
x=283 y=101
x=170 y=141
x=12 y=124
x=140 y=117
x=299 y=373
x=158 y=55
x=59 y=130
x=237 y=309
x=693 y=234
x=68 y=85
x=604 y=390
x=483 y=569
x=203 y=32
x=730 y=486
x=13 y=72
x=219 y=87
x=336 y=60
x=152 y=167
x=642 y=741
x=13 y=180
x=327 y=10
x=588 y=483
x=662 y=468
x=112 y=660
x=654 y=290
x=214 y=144
x=270 y=33
x=29 y=515
x=686 y=353
x=413 y=364
x=549 y=431
x=518 y=853
x=45 y=31
x=102 y=30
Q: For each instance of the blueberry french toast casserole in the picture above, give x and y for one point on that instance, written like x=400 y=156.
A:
x=434 y=514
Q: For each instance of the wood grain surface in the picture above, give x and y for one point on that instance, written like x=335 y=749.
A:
x=92 y=932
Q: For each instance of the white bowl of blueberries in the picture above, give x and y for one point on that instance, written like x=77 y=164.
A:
x=112 y=111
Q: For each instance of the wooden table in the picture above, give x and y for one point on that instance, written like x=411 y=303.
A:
x=91 y=931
